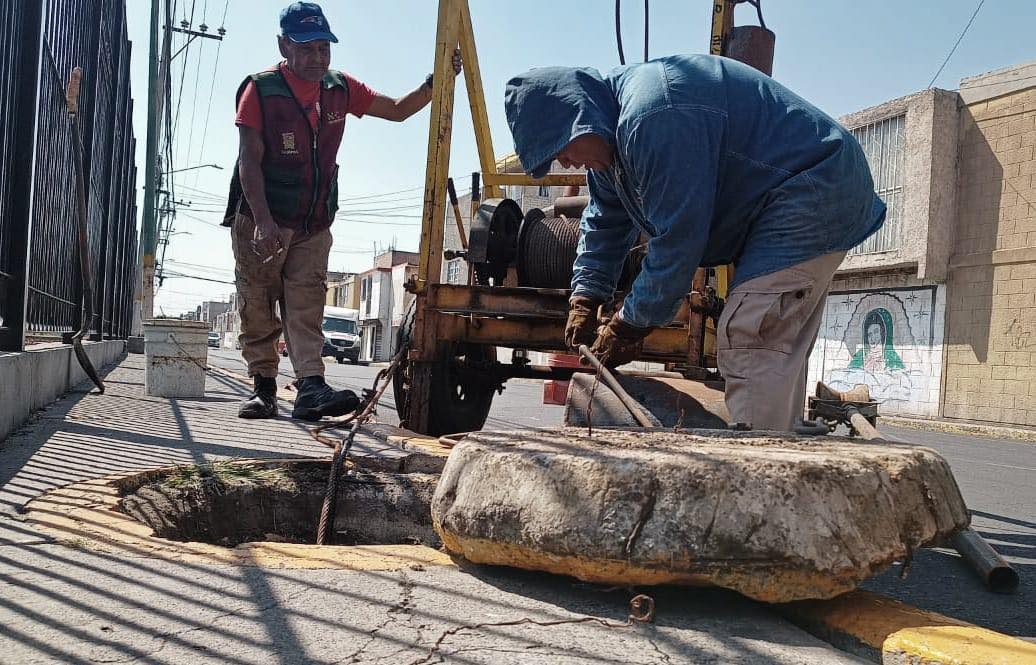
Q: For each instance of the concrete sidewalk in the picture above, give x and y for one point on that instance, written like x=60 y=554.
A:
x=63 y=601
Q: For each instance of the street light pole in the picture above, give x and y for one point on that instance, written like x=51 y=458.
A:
x=191 y=168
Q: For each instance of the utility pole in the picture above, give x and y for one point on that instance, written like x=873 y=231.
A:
x=148 y=224
x=159 y=67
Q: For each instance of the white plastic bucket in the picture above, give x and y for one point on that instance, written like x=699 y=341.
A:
x=175 y=357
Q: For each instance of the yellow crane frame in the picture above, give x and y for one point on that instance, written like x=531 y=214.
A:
x=500 y=315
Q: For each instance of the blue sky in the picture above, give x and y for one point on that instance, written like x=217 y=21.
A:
x=842 y=55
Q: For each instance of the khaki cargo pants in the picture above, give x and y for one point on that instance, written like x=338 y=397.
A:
x=764 y=339
x=295 y=281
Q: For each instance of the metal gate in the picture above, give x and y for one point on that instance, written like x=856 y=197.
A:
x=40 y=284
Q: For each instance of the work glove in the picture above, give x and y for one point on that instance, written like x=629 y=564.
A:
x=619 y=342
x=581 y=327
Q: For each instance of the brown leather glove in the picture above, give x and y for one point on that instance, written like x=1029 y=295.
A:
x=619 y=342
x=581 y=327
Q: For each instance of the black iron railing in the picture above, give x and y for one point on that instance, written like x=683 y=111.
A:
x=40 y=285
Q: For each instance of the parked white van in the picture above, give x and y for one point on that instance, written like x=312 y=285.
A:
x=341 y=334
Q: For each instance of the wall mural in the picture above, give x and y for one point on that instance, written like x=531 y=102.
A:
x=890 y=340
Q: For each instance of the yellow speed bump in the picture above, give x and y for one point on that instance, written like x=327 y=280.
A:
x=875 y=626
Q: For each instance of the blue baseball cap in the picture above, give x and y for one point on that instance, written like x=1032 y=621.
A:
x=305 y=22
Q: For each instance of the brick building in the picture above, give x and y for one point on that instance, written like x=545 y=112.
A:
x=935 y=313
x=991 y=317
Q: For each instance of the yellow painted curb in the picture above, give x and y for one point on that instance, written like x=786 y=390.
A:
x=957 y=645
x=872 y=625
x=85 y=515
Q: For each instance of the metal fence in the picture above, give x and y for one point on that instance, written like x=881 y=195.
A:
x=40 y=284
x=883 y=142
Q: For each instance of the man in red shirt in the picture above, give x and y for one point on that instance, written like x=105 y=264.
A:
x=283 y=198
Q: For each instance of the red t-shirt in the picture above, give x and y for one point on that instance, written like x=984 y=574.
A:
x=250 y=113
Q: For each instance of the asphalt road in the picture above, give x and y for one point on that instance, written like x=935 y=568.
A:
x=996 y=476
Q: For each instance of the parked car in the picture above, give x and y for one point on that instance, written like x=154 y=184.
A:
x=214 y=339
x=341 y=339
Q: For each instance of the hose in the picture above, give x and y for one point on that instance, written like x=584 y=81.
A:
x=85 y=273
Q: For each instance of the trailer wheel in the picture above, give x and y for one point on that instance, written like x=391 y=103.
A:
x=461 y=389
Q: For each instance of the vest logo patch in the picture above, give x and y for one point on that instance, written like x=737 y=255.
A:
x=288 y=146
x=333 y=117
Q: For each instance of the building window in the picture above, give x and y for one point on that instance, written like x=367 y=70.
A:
x=883 y=142
x=544 y=191
x=453 y=271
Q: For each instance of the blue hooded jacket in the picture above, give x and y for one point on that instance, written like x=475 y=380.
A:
x=715 y=162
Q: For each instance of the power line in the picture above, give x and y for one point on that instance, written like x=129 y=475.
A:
x=183 y=69
x=194 y=100
x=199 y=219
x=201 y=266
x=167 y=275
x=212 y=89
x=957 y=43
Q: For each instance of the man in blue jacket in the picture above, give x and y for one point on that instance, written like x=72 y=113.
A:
x=715 y=163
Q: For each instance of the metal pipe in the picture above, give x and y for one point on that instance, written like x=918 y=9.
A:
x=863 y=426
x=998 y=575
x=635 y=409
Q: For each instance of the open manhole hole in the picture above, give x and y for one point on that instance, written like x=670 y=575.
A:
x=229 y=503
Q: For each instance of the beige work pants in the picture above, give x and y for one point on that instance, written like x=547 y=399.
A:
x=764 y=339
x=296 y=280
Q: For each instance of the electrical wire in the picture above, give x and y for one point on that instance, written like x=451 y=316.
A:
x=199 y=219
x=183 y=69
x=174 y=275
x=201 y=266
x=647 y=13
x=212 y=90
x=618 y=31
x=957 y=43
x=194 y=100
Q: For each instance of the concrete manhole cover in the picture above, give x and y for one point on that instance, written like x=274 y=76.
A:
x=775 y=517
x=229 y=503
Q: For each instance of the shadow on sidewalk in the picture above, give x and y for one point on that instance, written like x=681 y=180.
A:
x=86 y=435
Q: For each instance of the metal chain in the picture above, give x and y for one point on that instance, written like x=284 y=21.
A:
x=342 y=448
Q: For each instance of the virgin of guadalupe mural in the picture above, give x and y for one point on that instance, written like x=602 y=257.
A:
x=877 y=353
x=873 y=359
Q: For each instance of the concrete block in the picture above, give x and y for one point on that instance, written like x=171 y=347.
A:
x=135 y=344
x=33 y=379
x=176 y=353
x=772 y=516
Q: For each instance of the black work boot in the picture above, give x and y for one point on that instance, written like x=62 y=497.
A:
x=263 y=402
x=316 y=399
